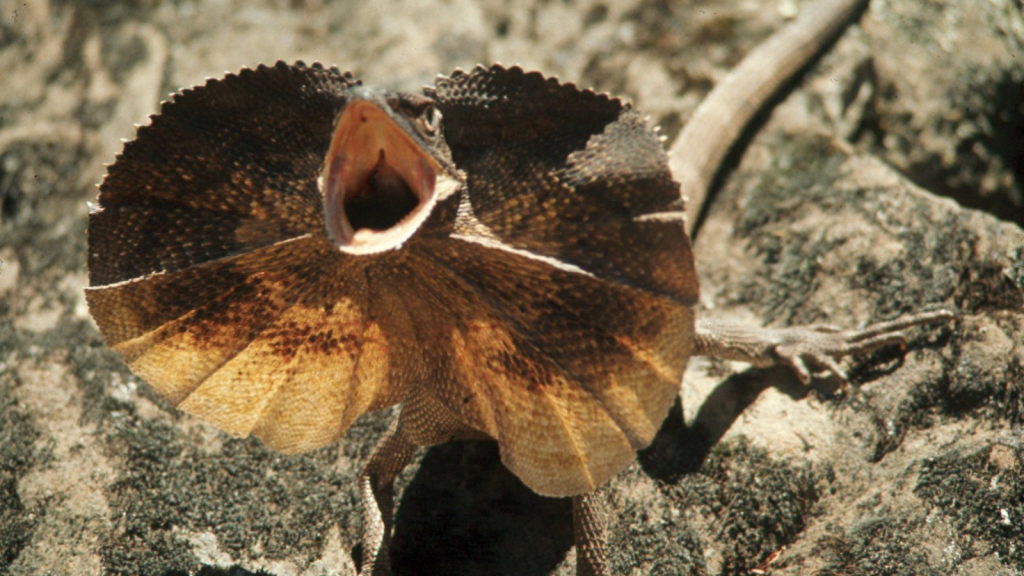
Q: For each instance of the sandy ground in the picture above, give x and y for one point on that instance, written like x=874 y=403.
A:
x=888 y=179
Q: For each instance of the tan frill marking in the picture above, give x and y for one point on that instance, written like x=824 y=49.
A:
x=333 y=368
x=179 y=355
x=130 y=309
x=300 y=383
x=569 y=381
x=553 y=434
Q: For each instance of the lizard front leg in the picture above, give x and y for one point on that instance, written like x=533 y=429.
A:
x=376 y=490
x=588 y=524
x=820 y=347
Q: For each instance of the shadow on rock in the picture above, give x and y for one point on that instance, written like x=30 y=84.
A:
x=465 y=513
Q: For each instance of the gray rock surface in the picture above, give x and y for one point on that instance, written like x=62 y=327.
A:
x=828 y=216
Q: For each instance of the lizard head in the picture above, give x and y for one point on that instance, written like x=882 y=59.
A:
x=386 y=168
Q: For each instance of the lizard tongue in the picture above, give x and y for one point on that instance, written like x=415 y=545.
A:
x=378 y=185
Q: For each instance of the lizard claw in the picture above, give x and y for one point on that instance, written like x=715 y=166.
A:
x=829 y=328
x=794 y=355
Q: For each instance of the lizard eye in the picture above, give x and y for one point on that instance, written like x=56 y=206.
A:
x=430 y=121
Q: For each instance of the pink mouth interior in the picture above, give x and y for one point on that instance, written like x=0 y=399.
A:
x=375 y=179
x=382 y=201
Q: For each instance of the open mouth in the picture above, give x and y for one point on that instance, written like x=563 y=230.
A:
x=378 y=185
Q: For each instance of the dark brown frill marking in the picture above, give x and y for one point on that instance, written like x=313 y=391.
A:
x=568 y=174
x=224 y=168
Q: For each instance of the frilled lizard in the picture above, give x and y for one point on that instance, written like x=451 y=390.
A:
x=285 y=249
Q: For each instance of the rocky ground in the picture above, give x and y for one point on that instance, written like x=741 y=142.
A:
x=889 y=178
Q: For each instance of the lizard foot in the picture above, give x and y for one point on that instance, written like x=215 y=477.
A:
x=822 y=346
